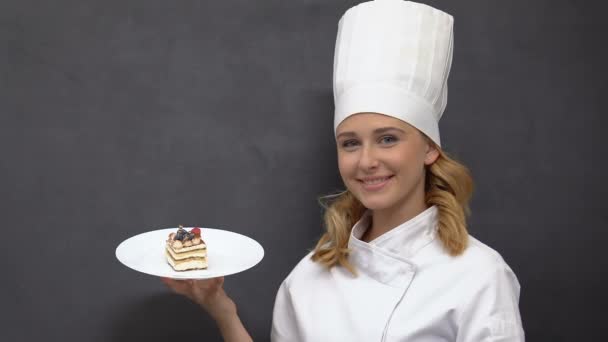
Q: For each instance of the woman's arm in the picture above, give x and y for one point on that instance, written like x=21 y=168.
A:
x=492 y=312
x=284 y=322
x=210 y=295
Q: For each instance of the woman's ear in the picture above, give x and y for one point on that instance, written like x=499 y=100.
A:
x=432 y=153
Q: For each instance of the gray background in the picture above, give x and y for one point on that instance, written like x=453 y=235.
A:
x=122 y=117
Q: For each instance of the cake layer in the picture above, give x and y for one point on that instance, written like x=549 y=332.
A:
x=197 y=253
x=186 y=249
x=187 y=264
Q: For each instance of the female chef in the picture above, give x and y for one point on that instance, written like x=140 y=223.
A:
x=396 y=262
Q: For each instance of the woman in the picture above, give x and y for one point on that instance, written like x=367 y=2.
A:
x=396 y=262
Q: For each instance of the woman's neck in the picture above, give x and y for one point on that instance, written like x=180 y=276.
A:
x=387 y=219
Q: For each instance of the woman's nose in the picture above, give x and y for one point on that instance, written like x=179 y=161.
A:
x=368 y=159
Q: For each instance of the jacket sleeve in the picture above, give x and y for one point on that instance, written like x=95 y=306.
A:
x=491 y=313
x=284 y=324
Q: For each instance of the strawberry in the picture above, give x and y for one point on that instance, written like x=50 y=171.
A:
x=196 y=231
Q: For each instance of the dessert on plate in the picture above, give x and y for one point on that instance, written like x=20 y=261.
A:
x=186 y=250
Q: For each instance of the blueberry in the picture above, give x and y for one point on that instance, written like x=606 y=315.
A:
x=181 y=233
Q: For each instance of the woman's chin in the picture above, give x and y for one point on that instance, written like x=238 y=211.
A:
x=374 y=201
x=374 y=204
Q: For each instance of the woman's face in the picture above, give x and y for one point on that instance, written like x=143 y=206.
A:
x=381 y=160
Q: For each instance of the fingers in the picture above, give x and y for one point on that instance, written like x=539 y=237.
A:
x=208 y=293
x=182 y=287
x=187 y=285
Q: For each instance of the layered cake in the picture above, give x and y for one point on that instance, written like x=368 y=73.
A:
x=186 y=250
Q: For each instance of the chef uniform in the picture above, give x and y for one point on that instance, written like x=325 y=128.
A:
x=393 y=57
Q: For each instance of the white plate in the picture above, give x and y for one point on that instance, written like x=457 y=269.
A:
x=227 y=253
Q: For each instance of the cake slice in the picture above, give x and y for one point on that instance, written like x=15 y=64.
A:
x=186 y=250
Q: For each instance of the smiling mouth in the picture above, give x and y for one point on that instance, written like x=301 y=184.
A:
x=374 y=183
x=375 y=180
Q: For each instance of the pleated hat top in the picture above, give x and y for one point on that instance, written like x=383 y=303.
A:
x=393 y=57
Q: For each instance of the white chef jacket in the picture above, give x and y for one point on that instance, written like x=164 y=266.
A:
x=407 y=289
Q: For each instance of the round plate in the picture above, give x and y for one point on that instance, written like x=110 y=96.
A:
x=227 y=253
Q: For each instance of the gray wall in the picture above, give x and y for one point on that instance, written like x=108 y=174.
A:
x=122 y=117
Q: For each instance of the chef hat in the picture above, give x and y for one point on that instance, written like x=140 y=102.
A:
x=393 y=57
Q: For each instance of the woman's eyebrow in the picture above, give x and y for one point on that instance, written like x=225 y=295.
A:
x=346 y=134
x=387 y=129
x=377 y=131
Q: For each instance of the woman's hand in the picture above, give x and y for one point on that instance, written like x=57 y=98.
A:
x=208 y=293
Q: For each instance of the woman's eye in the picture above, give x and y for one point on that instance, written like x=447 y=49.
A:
x=388 y=139
x=349 y=143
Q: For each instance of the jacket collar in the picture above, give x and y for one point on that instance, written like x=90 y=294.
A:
x=388 y=257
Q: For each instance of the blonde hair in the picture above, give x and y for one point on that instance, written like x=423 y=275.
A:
x=448 y=186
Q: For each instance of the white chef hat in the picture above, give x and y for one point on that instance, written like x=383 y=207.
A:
x=393 y=57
